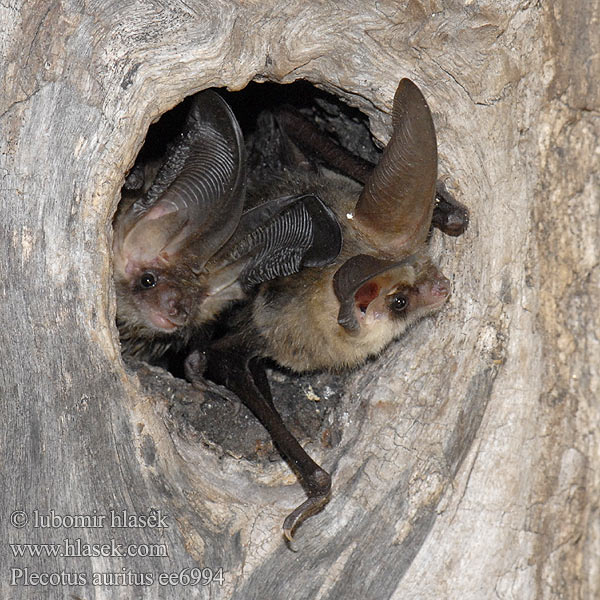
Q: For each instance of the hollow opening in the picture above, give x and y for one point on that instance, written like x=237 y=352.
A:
x=308 y=403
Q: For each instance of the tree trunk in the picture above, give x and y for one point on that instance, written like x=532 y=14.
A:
x=468 y=465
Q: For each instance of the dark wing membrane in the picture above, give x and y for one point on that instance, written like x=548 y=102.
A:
x=312 y=141
x=449 y=215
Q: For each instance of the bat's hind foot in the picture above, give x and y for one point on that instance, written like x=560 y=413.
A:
x=318 y=486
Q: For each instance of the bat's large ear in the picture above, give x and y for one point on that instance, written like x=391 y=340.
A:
x=395 y=208
x=276 y=239
x=197 y=197
x=361 y=282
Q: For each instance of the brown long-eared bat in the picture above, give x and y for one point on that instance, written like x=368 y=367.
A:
x=183 y=248
x=383 y=280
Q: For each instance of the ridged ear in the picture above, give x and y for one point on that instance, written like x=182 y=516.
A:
x=198 y=194
x=395 y=207
x=276 y=239
x=361 y=280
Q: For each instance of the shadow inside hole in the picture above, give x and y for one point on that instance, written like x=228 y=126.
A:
x=308 y=403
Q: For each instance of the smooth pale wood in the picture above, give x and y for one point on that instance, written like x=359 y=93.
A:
x=469 y=463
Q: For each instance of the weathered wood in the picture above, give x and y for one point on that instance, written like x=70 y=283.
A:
x=468 y=464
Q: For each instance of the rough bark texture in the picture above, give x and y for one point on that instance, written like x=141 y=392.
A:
x=468 y=466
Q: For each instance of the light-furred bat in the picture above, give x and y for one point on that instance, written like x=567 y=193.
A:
x=336 y=316
x=183 y=248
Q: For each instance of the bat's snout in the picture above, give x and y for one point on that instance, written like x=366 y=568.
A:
x=169 y=311
x=441 y=288
x=177 y=312
x=434 y=291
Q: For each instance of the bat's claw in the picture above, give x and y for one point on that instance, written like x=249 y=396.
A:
x=194 y=368
x=449 y=215
x=319 y=490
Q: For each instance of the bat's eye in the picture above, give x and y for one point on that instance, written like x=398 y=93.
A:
x=399 y=303
x=148 y=280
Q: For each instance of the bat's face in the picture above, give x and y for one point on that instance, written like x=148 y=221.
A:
x=385 y=306
x=154 y=298
x=400 y=296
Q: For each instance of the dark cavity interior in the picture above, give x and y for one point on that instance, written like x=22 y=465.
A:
x=307 y=402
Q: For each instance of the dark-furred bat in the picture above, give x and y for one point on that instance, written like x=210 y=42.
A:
x=336 y=316
x=184 y=249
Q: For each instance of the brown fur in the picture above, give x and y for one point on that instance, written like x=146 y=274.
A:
x=295 y=317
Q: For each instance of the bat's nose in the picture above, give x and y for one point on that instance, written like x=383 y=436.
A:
x=441 y=287
x=174 y=307
x=177 y=311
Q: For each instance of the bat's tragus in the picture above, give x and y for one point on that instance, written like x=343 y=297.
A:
x=231 y=251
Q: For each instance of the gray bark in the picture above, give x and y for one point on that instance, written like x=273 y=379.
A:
x=468 y=465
